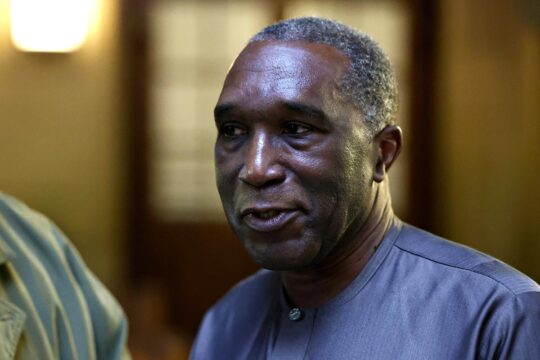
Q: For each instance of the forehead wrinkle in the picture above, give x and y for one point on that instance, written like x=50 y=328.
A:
x=288 y=90
x=285 y=72
x=290 y=59
x=288 y=85
x=273 y=78
x=299 y=51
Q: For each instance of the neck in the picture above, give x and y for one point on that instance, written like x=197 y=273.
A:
x=316 y=285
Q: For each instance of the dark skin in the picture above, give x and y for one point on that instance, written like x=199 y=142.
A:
x=301 y=177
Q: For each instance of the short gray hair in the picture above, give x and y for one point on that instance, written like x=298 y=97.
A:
x=370 y=81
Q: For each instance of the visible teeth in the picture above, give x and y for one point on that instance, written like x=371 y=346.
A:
x=267 y=214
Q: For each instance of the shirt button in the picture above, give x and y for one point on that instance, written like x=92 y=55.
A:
x=295 y=314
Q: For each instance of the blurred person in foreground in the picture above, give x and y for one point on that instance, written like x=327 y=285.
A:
x=306 y=135
x=51 y=305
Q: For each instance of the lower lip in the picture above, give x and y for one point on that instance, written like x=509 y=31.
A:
x=274 y=223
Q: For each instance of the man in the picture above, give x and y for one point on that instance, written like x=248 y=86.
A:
x=306 y=135
x=51 y=306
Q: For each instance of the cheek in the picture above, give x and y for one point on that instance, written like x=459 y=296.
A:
x=339 y=171
x=225 y=168
x=340 y=186
x=323 y=182
x=355 y=163
x=225 y=183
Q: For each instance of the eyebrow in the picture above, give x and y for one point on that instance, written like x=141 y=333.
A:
x=307 y=109
x=294 y=106
x=221 y=109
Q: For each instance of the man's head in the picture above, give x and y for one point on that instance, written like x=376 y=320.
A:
x=369 y=82
x=300 y=151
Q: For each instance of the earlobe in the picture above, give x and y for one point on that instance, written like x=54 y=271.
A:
x=388 y=146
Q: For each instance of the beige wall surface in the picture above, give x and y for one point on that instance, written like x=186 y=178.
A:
x=489 y=129
x=61 y=137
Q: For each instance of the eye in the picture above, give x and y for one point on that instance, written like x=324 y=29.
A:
x=231 y=130
x=296 y=128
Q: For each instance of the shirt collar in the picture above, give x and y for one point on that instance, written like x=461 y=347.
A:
x=363 y=277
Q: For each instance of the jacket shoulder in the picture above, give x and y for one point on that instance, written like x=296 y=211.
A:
x=463 y=259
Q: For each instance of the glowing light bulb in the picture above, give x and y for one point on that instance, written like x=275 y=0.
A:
x=50 y=25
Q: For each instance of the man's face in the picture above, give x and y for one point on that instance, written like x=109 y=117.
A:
x=294 y=160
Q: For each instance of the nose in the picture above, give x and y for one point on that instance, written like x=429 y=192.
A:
x=261 y=162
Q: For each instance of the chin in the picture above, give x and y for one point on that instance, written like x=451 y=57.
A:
x=278 y=264
x=283 y=258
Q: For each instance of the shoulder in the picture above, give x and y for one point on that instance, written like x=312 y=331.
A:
x=487 y=299
x=459 y=260
x=514 y=329
x=251 y=293
x=29 y=238
x=23 y=230
x=15 y=214
x=232 y=325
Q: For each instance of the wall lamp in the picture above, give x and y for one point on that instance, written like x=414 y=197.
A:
x=50 y=25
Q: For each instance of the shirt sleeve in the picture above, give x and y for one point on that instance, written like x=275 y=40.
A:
x=515 y=333
x=107 y=318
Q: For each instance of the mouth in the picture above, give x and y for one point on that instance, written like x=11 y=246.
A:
x=269 y=220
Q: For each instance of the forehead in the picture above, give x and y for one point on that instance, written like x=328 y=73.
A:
x=292 y=70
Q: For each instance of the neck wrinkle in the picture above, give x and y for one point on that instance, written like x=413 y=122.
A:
x=315 y=286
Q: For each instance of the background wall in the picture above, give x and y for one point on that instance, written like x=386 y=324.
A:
x=488 y=121
x=62 y=140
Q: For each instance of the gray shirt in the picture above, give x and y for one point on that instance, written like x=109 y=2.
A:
x=419 y=297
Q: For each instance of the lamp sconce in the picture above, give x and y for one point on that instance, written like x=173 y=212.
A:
x=56 y=26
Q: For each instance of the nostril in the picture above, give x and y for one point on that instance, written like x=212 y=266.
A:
x=261 y=165
x=261 y=177
x=273 y=182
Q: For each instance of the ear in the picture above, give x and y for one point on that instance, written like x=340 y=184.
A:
x=388 y=146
